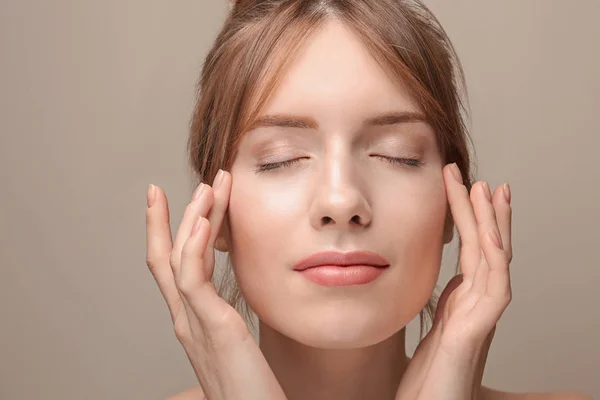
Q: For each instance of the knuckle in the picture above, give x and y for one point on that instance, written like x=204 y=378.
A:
x=181 y=333
x=153 y=261
x=174 y=260
x=186 y=287
x=506 y=298
x=482 y=235
x=150 y=262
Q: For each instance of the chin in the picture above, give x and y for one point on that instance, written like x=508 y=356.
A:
x=341 y=339
x=339 y=326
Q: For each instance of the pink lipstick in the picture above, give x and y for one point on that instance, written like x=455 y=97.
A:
x=333 y=268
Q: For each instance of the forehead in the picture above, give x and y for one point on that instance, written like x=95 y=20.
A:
x=333 y=77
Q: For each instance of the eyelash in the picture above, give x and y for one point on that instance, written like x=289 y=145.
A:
x=412 y=162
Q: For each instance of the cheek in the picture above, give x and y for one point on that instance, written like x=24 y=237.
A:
x=261 y=223
x=254 y=206
x=260 y=215
x=414 y=232
x=413 y=213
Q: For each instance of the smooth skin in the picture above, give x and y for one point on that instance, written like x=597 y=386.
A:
x=223 y=354
x=448 y=363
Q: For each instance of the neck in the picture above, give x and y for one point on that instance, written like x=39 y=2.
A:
x=305 y=372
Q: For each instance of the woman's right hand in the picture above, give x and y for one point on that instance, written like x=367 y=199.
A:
x=227 y=361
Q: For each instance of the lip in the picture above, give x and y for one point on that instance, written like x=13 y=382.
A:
x=335 y=258
x=346 y=275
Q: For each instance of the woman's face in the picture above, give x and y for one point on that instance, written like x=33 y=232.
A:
x=340 y=194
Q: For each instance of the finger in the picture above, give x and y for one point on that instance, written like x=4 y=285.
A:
x=199 y=207
x=194 y=282
x=498 y=282
x=479 y=286
x=485 y=214
x=486 y=222
x=222 y=190
x=451 y=286
x=503 y=217
x=466 y=224
x=158 y=249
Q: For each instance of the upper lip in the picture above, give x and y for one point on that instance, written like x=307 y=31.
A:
x=342 y=259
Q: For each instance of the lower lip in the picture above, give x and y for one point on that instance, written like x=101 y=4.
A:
x=335 y=275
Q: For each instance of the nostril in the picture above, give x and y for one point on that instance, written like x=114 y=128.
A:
x=354 y=220
x=326 y=220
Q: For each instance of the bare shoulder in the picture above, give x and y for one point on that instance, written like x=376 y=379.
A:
x=493 y=394
x=194 y=393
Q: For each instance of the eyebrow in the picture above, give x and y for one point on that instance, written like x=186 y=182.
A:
x=301 y=122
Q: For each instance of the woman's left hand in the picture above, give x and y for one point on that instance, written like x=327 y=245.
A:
x=448 y=363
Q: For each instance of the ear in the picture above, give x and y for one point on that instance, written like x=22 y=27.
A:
x=448 y=226
x=223 y=238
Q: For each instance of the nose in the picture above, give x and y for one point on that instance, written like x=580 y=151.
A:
x=339 y=198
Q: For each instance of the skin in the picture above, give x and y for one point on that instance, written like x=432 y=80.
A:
x=332 y=334
x=342 y=193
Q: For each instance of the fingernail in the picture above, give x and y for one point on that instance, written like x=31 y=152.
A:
x=218 y=179
x=507 y=192
x=198 y=191
x=456 y=172
x=151 y=195
x=486 y=190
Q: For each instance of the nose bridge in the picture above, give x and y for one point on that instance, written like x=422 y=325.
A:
x=338 y=174
x=340 y=198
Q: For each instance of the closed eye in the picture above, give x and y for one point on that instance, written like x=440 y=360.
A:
x=413 y=162
x=282 y=164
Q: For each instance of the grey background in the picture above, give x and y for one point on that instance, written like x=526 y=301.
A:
x=95 y=103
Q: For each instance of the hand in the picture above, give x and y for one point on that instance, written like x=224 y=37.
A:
x=448 y=363
x=223 y=353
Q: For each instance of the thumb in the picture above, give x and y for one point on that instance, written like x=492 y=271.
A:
x=441 y=304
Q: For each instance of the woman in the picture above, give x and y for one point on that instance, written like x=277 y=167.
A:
x=336 y=128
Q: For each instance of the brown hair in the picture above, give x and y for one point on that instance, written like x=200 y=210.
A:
x=260 y=38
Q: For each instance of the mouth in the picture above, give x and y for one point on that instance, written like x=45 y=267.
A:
x=367 y=258
x=335 y=275
x=333 y=268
